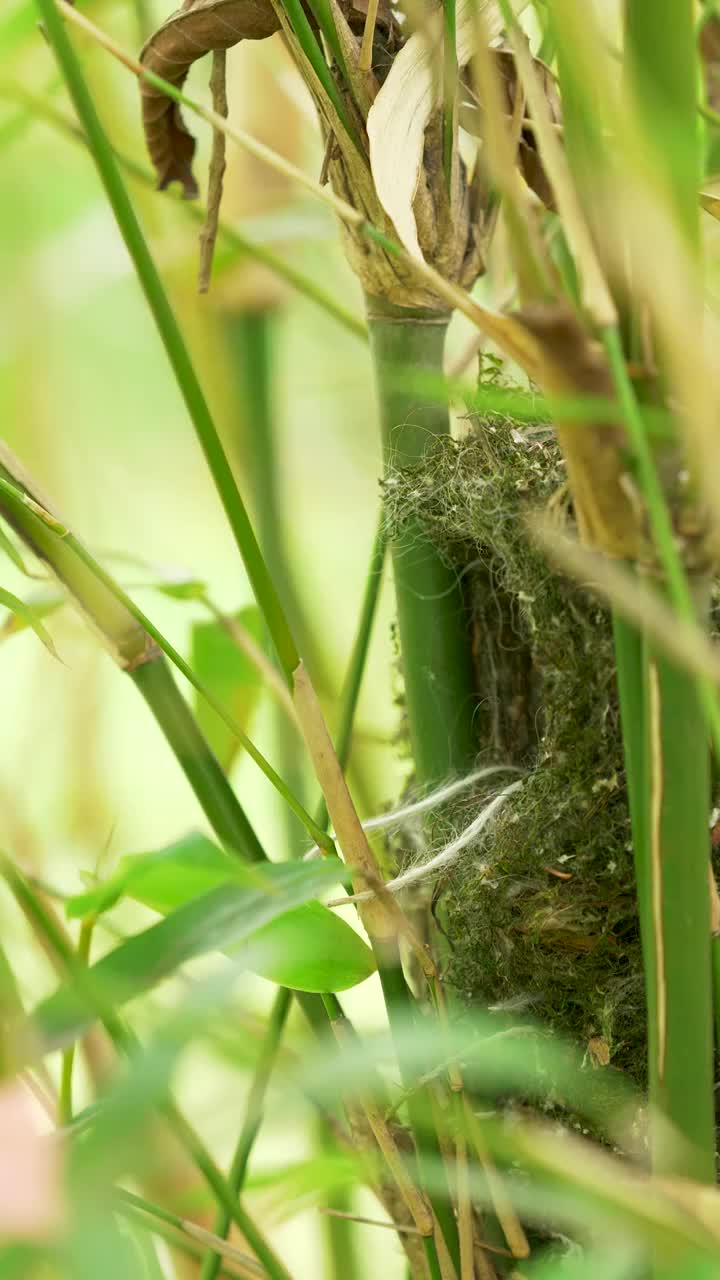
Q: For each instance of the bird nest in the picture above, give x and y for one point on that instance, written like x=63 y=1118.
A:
x=542 y=915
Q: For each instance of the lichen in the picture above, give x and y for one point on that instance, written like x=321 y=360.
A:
x=544 y=911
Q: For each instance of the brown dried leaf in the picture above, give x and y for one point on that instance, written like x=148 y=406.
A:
x=573 y=364
x=471 y=118
x=405 y=106
x=198 y=28
x=201 y=26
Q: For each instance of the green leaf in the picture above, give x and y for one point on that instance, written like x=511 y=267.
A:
x=230 y=675
x=8 y=546
x=24 y=614
x=307 y=949
x=186 y=589
x=164 y=879
x=226 y=916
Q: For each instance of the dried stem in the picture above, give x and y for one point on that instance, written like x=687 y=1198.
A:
x=208 y=235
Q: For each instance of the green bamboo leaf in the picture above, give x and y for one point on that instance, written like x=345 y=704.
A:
x=226 y=916
x=8 y=546
x=230 y=675
x=24 y=614
x=188 y=589
x=308 y=948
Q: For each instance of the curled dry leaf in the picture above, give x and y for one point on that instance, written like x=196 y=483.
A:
x=471 y=118
x=402 y=111
x=201 y=26
x=198 y=28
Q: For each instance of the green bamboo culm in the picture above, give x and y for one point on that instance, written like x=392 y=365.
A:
x=432 y=618
x=662 y=65
x=681 y=1043
x=662 y=78
x=251 y=335
x=630 y=662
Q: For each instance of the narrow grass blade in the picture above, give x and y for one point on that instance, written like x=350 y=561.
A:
x=226 y=915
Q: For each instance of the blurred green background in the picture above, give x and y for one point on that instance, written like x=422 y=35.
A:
x=89 y=404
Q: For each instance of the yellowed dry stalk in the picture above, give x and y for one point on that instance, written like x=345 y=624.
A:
x=376 y=915
x=365 y=60
x=573 y=365
x=632 y=598
x=465 y=1211
x=248 y=646
x=531 y=261
x=414 y=1200
x=502 y=1205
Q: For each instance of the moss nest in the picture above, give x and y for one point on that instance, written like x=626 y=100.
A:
x=543 y=913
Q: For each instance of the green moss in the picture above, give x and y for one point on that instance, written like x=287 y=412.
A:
x=551 y=918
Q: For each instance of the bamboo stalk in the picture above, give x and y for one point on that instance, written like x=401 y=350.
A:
x=250 y=333
x=662 y=64
x=412 y=1196
x=681 y=1065
x=253 y=1117
x=358 y=660
x=450 y=85
x=65 y=1096
x=171 y=336
x=432 y=619
x=630 y=659
x=164 y=1225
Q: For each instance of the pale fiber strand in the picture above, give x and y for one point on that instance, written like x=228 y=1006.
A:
x=446 y=856
x=432 y=800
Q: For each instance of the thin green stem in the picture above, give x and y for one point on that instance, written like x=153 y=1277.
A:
x=169 y=1227
x=339 y=1231
x=665 y=720
x=312 y=50
x=629 y=658
x=99 y=593
x=681 y=1058
x=11 y=1010
x=224 y=1195
x=65 y=1098
x=432 y=619
x=358 y=658
x=234 y=238
x=400 y=1006
x=450 y=85
x=715 y=954
x=660 y=521
x=172 y=338
x=154 y=680
x=662 y=60
x=251 y=1124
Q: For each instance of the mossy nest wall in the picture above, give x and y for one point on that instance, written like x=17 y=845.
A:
x=543 y=913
